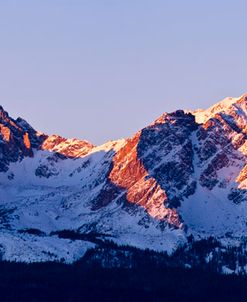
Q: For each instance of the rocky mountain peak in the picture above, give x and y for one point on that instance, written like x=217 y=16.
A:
x=4 y=116
x=225 y=106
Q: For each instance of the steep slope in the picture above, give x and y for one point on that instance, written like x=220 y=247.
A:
x=184 y=174
x=220 y=164
x=17 y=140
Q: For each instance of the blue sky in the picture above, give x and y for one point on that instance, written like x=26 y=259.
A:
x=102 y=69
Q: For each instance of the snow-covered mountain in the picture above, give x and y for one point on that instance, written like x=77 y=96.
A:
x=185 y=174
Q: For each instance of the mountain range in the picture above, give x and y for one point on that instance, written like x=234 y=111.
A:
x=183 y=176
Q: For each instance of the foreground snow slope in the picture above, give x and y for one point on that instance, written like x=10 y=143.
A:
x=184 y=174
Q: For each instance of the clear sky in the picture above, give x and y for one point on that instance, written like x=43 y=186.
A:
x=103 y=69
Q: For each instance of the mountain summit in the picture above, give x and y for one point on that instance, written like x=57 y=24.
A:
x=184 y=175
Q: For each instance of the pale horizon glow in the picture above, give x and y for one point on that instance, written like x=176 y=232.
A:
x=103 y=69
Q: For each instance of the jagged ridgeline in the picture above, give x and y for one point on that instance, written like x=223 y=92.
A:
x=169 y=187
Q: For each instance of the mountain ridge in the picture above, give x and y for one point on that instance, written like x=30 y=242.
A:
x=184 y=174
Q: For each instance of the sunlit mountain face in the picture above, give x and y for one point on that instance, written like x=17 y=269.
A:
x=177 y=182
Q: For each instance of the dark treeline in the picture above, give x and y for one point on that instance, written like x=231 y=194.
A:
x=144 y=280
x=112 y=272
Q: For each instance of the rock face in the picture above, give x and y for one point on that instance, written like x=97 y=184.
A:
x=70 y=148
x=17 y=140
x=184 y=174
